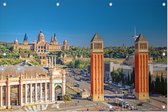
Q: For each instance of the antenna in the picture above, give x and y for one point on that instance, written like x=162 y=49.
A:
x=134 y=31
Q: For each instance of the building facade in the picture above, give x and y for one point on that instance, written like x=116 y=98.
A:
x=110 y=66
x=42 y=47
x=97 y=68
x=24 y=85
x=158 y=70
x=141 y=68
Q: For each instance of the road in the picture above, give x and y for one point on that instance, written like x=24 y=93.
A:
x=86 y=84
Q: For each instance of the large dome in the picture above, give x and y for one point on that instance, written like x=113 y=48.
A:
x=41 y=37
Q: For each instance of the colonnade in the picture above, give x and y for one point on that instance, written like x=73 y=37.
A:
x=51 y=61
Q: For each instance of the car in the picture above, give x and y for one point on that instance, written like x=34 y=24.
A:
x=140 y=104
x=76 y=85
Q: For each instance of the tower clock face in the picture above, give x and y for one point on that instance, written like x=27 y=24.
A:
x=97 y=45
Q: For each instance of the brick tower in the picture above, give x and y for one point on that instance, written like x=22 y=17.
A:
x=97 y=68
x=141 y=68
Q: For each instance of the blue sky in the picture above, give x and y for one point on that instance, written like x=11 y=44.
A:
x=78 y=20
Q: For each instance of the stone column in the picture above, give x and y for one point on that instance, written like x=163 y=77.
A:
x=30 y=92
x=8 y=94
x=52 y=95
x=35 y=92
x=49 y=62
x=46 y=91
x=40 y=91
x=1 y=96
x=20 y=93
x=52 y=62
x=25 y=93
x=55 y=60
x=63 y=85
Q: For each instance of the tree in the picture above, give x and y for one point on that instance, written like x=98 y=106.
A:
x=162 y=85
x=128 y=80
x=150 y=84
x=165 y=87
x=152 y=87
x=67 y=97
x=158 y=85
x=115 y=76
x=122 y=78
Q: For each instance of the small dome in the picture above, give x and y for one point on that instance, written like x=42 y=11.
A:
x=16 y=41
x=65 y=42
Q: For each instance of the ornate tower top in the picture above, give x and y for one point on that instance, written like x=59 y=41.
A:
x=140 y=38
x=96 y=44
x=25 y=37
x=41 y=37
x=25 y=40
x=96 y=38
x=141 y=44
x=53 y=40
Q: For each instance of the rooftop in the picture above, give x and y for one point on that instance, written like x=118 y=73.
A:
x=140 y=38
x=96 y=37
x=15 y=71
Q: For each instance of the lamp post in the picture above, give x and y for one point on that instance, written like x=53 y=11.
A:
x=163 y=107
x=122 y=99
x=4 y=54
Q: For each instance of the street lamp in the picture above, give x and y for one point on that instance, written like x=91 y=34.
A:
x=4 y=54
x=110 y=107
x=163 y=107
x=122 y=99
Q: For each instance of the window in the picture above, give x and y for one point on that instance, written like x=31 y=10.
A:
x=98 y=46
x=91 y=47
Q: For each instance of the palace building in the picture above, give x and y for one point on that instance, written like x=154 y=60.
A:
x=42 y=47
x=25 y=85
x=97 y=68
x=141 y=68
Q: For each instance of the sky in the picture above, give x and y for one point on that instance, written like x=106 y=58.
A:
x=78 y=20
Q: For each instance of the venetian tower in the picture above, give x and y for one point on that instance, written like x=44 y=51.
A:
x=97 y=68
x=141 y=68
